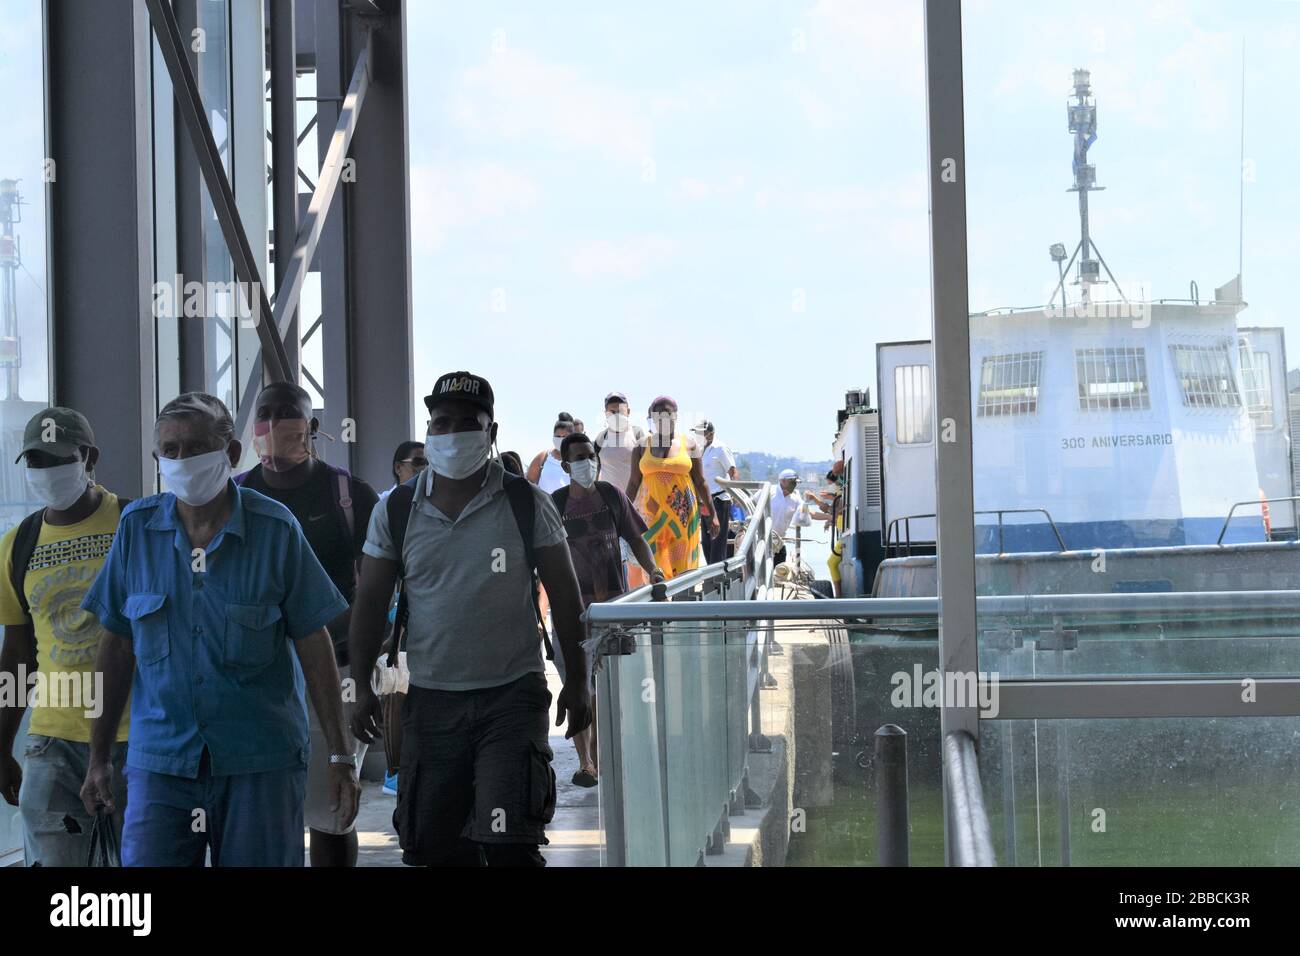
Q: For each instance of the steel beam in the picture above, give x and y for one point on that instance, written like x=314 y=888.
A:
x=1119 y=699
x=379 y=254
x=290 y=279
x=191 y=258
x=172 y=47
x=950 y=323
x=284 y=160
x=289 y=285
x=331 y=251
x=100 y=229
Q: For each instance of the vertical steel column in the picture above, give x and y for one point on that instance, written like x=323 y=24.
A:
x=284 y=157
x=191 y=261
x=100 y=236
x=379 y=252
x=331 y=252
x=955 y=533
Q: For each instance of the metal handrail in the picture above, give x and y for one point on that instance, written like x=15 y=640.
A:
x=1259 y=501
x=1005 y=605
x=970 y=837
x=890 y=531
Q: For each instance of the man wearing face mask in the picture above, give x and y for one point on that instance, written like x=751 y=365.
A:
x=598 y=520
x=47 y=564
x=477 y=784
x=208 y=595
x=333 y=507
x=614 y=444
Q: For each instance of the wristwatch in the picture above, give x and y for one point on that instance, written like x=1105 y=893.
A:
x=349 y=759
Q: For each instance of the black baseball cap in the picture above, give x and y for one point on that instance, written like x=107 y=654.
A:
x=462 y=387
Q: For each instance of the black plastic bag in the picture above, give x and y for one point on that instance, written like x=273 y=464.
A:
x=103 y=842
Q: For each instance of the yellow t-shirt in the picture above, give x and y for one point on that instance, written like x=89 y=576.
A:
x=63 y=566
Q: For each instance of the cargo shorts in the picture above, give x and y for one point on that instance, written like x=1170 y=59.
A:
x=476 y=773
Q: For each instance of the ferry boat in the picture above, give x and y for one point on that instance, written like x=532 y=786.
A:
x=1096 y=425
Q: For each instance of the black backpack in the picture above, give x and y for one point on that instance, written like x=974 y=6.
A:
x=523 y=506
x=25 y=540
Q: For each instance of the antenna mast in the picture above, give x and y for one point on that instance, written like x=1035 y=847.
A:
x=1083 y=124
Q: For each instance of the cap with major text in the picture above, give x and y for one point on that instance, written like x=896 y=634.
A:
x=57 y=431
x=462 y=387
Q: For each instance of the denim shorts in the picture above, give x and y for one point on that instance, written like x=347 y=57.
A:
x=248 y=819
x=476 y=769
x=56 y=827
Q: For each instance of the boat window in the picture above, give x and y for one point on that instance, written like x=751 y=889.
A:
x=913 y=421
x=1205 y=373
x=1256 y=385
x=1112 y=378
x=1009 y=384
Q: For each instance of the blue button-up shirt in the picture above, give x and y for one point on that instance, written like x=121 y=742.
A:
x=213 y=667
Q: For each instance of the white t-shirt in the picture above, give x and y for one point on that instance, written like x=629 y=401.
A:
x=616 y=455
x=784 y=509
x=717 y=462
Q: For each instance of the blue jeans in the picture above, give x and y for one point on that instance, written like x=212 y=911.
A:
x=249 y=819
x=56 y=827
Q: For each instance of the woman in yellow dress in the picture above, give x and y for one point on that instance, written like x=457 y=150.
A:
x=675 y=498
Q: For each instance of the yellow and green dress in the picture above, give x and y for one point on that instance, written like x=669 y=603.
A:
x=672 y=514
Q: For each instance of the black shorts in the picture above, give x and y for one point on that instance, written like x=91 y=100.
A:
x=475 y=766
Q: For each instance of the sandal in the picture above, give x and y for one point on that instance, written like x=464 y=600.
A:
x=584 y=778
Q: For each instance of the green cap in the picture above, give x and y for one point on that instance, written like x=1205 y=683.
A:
x=67 y=427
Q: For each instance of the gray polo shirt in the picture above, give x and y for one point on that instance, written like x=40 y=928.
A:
x=469 y=590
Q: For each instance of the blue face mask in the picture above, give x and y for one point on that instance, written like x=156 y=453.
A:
x=584 y=472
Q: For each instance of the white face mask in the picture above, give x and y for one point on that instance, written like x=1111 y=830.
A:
x=198 y=479
x=457 y=454
x=616 y=422
x=584 y=472
x=60 y=487
x=557 y=441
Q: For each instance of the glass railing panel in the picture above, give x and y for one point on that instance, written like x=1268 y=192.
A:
x=1150 y=792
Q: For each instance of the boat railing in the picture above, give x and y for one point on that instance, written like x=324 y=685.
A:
x=1261 y=503
x=970 y=836
x=893 y=539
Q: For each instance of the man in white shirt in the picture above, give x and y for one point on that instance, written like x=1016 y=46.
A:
x=717 y=462
x=614 y=446
x=785 y=509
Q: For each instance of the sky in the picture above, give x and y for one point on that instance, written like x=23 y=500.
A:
x=726 y=201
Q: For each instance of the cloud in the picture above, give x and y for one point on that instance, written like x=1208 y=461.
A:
x=446 y=196
x=630 y=259
x=516 y=95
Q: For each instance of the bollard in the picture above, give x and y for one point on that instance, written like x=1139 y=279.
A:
x=892 y=834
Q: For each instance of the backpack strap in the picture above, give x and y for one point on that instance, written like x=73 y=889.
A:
x=524 y=507
x=29 y=532
x=397 y=509
x=341 y=487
